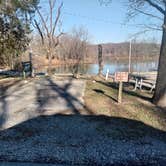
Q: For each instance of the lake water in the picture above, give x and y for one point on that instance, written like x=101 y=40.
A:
x=112 y=66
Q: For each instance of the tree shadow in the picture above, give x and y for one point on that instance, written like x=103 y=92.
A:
x=3 y=112
x=48 y=96
x=114 y=85
x=10 y=73
x=3 y=102
x=103 y=93
x=52 y=91
x=83 y=140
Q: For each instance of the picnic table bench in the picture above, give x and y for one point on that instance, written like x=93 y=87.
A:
x=147 y=80
x=140 y=81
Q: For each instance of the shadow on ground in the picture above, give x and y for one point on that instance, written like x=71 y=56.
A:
x=86 y=140
x=129 y=92
x=37 y=97
x=103 y=93
x=3 y=95
x=52 y=91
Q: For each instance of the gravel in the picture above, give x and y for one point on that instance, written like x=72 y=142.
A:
x=83 y=140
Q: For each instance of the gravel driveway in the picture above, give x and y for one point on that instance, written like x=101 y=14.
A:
x=83 y=140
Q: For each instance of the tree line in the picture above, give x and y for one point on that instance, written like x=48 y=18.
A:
x=141 y=50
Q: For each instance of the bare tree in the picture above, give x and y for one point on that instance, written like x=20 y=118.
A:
x=158 y=12
x=140 y=6
x=75 y=48
x=47 y=29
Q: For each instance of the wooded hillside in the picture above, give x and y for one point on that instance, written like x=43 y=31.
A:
x=121 y=50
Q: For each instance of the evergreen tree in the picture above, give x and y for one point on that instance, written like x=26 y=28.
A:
x=15 y=21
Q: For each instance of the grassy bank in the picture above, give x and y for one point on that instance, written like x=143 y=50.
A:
x=101 y=99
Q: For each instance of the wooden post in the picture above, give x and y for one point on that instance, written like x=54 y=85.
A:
x=24 y=75
x=100 y=59
x=120 y=92
x=30 y=60
x=107 y=73
x=121 y=77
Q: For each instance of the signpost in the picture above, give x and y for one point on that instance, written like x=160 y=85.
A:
x=121 y=77
x=26 y=68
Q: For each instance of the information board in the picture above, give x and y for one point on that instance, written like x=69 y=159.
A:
x=121 y=77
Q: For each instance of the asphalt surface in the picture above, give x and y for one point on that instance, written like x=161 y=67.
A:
x=29 y=99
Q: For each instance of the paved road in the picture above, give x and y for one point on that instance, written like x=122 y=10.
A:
x=24 y=101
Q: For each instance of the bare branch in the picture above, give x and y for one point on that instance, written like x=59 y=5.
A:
x=39 y=30
x=153 y=27
x=139 y=33
x=148 y=14
x=57 y=18
x=57 y=39
x=43 y=21
x=51 y=10
x=53 y=4
x=160 y=9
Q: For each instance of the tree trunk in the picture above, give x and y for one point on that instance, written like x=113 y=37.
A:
x=100 y=60
x=49 y=63
x=159 y=97
x=50 y=57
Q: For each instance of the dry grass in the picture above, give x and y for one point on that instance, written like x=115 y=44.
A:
x=101 y=96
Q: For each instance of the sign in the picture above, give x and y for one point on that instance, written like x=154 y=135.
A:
x=27 y=68
x=121 y=77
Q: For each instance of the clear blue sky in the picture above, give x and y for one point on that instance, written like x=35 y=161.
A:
x=102 y=22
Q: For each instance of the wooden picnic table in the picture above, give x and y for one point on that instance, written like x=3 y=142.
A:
x=146 y=80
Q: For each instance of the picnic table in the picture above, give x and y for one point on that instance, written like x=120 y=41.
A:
x=141 y=80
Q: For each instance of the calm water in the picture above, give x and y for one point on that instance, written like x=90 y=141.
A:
x=112 y=66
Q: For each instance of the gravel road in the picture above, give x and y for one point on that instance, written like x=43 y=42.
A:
x=83 y=140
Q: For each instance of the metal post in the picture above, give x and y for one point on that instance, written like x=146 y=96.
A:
x=129 y=70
